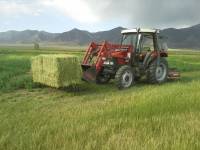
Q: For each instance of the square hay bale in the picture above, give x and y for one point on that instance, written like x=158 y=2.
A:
x=56 y=70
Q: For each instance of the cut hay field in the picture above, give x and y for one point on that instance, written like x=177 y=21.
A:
x=163 y=117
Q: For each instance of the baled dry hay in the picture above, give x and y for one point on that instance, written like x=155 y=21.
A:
x=56 y=70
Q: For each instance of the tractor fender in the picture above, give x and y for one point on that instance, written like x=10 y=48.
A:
x=148 y=59
x=151 y=59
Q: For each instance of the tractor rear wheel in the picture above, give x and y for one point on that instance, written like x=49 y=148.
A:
x=157 y=73
x=124 y=77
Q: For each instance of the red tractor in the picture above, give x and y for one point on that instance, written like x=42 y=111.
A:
x=142 y=52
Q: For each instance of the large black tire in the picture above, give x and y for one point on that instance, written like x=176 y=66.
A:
x=157 y=72
x=124 y=77
x=102 y=79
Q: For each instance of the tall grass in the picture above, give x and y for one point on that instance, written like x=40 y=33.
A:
x=14 y=72
x=145 y=116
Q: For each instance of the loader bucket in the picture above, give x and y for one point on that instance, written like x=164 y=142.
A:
x=89 y=73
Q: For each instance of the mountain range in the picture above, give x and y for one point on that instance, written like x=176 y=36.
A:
x=176 y=38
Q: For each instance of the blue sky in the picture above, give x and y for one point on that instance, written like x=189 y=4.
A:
x=96 y=15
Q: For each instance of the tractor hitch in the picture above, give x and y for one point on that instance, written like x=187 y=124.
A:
x=173 y=74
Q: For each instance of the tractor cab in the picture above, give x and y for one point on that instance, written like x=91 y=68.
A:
x=142 y=52
x=144 y=40
x=147 y=44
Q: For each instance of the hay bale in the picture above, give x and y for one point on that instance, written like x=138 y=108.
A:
x=56 y=70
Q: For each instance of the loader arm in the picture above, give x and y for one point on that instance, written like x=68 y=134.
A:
x=93 y=62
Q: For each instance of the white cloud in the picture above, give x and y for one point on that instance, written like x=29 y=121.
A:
x=14 y=8
x=78 y=10
x=148 y=13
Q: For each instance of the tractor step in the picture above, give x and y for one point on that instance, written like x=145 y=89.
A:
x=173 y=74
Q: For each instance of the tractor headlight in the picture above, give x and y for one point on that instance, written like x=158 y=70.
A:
x=108 y=62
x=129 y=55
x=111 y=63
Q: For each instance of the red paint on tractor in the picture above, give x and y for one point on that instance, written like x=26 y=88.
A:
x=106 y=50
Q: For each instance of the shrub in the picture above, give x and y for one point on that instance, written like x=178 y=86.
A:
x=36 y=46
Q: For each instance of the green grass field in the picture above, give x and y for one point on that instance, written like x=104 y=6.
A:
x=95 y=117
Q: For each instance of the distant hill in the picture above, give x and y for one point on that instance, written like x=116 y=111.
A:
x=113 y=35
x=177 y=38
x=84 y=37
x=77 y=36
x=183 y=38
x=26 y=36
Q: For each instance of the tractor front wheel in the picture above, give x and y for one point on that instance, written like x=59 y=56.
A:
x=124 y=77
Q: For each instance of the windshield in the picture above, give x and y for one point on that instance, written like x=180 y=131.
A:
x=129 y=39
